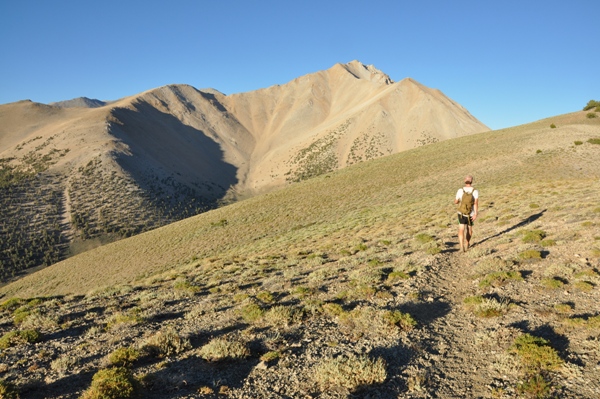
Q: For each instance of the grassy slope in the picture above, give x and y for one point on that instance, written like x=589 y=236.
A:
x=327 y=261
x=411 y=190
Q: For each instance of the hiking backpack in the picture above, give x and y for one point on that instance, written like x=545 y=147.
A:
x=466 y=202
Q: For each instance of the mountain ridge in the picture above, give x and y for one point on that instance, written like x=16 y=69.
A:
x=167 y=153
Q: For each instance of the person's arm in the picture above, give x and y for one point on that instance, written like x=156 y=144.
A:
x=475 y=208
x=457 y=198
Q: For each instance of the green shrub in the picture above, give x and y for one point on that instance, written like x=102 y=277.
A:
x=112 y=383
x=563 y=308
x=553 y=126
x=584 y=286
x=535 y=354
x=251 y=312
x=535 y=386
x=591 y=104
x=591 y=115
x=530 y=254
x=14 y=338
x=497 y=279
x=552 y=283
x=265 y=297
x=577 y=142
x=594 y=141
x=533 y=236
x=404 y=321
x=351 y=372
x=123 y=357
x=11 y=304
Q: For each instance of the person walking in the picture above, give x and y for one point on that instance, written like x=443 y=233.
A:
x=467 y=199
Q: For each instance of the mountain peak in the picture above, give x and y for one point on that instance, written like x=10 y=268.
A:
x=367 y=72
x=79 y=102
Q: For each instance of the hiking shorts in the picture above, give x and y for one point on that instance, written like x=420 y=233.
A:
x=464 y=219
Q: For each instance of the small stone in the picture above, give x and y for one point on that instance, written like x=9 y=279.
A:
x=262 y=366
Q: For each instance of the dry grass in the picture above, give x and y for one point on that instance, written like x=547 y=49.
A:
x=350 y=372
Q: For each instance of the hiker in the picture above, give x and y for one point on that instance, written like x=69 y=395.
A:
x=467 y=199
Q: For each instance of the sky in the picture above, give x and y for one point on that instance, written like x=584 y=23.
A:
x=507 y=62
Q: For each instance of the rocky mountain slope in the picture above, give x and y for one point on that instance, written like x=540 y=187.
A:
x=346 y=285
x=77 y=174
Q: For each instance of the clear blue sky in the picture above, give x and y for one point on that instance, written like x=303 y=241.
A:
x=508 y=62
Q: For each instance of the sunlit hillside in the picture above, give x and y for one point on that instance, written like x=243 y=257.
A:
x=346 y=284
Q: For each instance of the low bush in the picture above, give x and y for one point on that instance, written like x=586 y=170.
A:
x=221 y=348
x=351 y=372
x=497 y=279
x=166 y=343
x=14 y=338
x=535 y=354
x=112 y=383
x=487 y=307
x=123 y=357
x=251 y=312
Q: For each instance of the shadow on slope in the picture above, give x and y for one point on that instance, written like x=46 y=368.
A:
x=170 y=159
x=522 y=223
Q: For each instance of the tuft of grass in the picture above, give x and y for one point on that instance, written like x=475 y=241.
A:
x=592 y=323
x=396 y=276
x=535 y=354
x=404 y=321
x=333 y=309
x=594 y=141
x=132 y=317
x=350 y=372
x=63 y=363
x=165 y=343
x=563 y=308
x=251 y=312
x=282 y=316
x=578 y=142
x=265 y=297
x=111 y=383
x=486 y=307
x=497 y=279
x=534 y=236
x=530 y=254
x=585 y=286
x=424 y=238
x=11 y=304
x=552 y=283
x=221 y=348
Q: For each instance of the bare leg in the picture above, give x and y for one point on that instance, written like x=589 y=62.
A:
x=461 y=236
x=469 y=235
